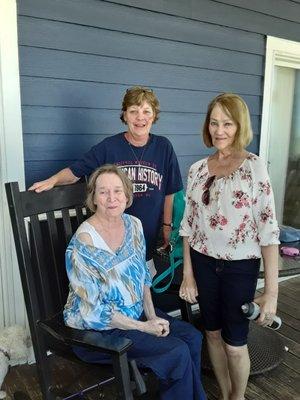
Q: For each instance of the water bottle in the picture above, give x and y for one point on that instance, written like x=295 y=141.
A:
x=252 y=312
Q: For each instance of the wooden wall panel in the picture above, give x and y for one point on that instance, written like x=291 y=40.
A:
x=87 y=67
x=60 y=36
x=84 y=121
x=285 y=9
x=117 y=17
x=77 y=58
x=223 y=13
x=67 y=93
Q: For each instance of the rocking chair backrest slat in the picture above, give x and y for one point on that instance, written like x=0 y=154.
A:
x=56 y=255
x=41 y=252
x=67 y=224
x=23 y=251
x=39 y=260
x=79 y=215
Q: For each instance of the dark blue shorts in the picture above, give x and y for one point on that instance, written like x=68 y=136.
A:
x=223 y=287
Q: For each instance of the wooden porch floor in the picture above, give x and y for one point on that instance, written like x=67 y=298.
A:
x=283 y=383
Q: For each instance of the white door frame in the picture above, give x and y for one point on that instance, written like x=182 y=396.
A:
x=11 y=163
x=279 y=53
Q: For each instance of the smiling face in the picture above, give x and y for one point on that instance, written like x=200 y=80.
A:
x=139 y=120
x=109 y=196
x=222 y=129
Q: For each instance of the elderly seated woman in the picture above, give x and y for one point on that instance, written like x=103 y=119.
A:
x=110 y=291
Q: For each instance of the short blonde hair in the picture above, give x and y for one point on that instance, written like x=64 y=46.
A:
x=136 y=96
x=108 y=169
x=236 y=109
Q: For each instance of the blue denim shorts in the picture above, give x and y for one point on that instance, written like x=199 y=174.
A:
x=223 y=287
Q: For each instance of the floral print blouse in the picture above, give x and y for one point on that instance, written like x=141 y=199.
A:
x=240 y=216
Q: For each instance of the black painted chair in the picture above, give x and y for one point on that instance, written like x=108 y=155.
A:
x=42 y=226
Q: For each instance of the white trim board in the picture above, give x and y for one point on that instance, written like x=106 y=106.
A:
x=282 y=62
x=12 y=308
x=279 y=52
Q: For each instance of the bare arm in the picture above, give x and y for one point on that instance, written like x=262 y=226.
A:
x=268 y=300
x=148 y=304
x=188 y=289
x=168 y=214
x=63 y=177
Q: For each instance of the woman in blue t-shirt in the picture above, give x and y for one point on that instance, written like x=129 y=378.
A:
x=149 y=160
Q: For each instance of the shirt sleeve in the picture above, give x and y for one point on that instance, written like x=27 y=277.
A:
x=174 y=181
x=264 y=206
x=186 y=225
x=96 y=312
x=91 y=160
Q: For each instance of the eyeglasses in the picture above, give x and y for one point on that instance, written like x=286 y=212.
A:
x=206 y=193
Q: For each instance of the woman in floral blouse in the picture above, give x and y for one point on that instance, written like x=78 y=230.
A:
x=228 y=225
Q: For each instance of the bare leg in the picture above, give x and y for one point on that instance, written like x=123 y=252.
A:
x=219 y=362
x=239 y=369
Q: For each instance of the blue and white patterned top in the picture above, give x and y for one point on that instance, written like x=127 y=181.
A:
x=103 y=281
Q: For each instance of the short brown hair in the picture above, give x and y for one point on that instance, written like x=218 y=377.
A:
x=137 y=95
x=236 y=109
x=108 y=169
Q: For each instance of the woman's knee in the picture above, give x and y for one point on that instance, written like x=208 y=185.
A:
x=181 y=353
x=236 y=351
x=186 y=332
x=181 y=350
x=214 y=336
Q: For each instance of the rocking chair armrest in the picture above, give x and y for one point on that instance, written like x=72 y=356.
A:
x=93 y=340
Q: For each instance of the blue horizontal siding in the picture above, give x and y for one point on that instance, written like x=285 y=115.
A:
x=225 y=14
x=58 y=35
x=120 y=18
x=77 y=58
x=69 y=121
x=285 y=9
x=63 y=93
x=86 y=67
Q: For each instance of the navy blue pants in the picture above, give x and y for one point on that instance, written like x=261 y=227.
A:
x=223 y=287
x=175 y=359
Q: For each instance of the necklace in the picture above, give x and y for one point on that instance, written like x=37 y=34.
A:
x=134 y=154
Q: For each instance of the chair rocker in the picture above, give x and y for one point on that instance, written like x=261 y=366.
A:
x=43 y=225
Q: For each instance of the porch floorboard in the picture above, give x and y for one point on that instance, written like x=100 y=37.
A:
x=283 y=383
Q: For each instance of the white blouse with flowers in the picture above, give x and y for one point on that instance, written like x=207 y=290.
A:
x=240 y=216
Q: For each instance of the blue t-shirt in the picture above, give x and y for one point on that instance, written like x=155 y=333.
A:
x=153 y=168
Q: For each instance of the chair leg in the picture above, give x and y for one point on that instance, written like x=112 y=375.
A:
x=138 y=379
x=121 y=370
x=186 y=311
x=43 y=369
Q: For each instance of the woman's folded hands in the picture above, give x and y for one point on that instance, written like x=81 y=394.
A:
x=157 y=326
